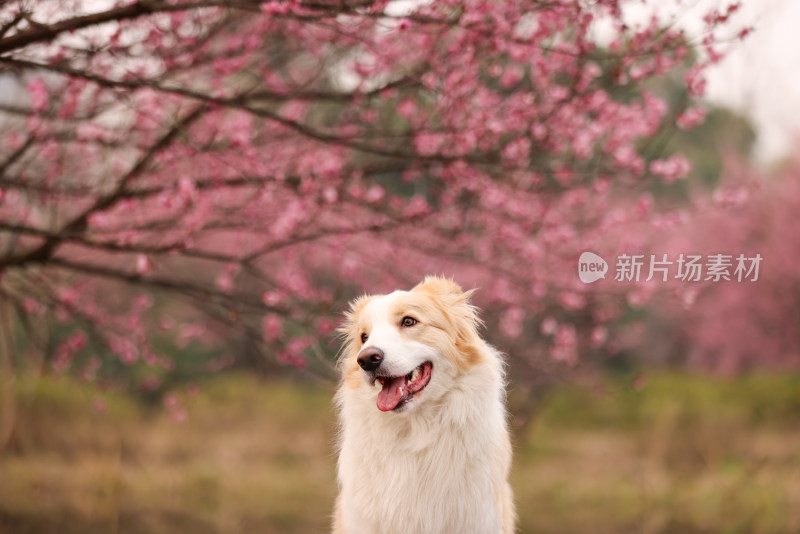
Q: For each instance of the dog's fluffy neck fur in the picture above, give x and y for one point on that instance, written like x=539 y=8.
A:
x=427 y=472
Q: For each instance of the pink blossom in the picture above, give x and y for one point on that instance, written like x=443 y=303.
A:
x=517 y=151
x=31 y=306
x=407 y=109
x=548 y=326
x=330 y=195
x=564 y=347
x=189 y=332
x=571 y=300
x=142 y=302
x=166 y=323
x=599 y=336
x=375 y=194
x=293 y=354
x=273 y=328
x=626 y=156
x=289 y=219
x=14 y=140
x=143 y=265
x=272 y=298
x=691 y=117
x=511 y=323
x=98 y=219
x=429 y=143
x=744 y=32
x=171 y=400
x=275 y=7
x=325 y=326
x=38 y=94
x=416 y=207
x=644 y=205
x=671 y=169
x=695 y=81
x=730 y=196
x=511 y=76
x=224 y=280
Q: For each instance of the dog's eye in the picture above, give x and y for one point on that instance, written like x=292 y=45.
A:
x=408 y=321
x=364 y=338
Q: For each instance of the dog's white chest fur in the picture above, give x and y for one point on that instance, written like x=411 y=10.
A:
x=437 y=471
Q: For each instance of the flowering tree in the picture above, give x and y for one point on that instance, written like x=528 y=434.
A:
x=172 y=170
x=744 y=316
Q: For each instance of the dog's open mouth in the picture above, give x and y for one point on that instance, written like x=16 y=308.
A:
x=398 y=390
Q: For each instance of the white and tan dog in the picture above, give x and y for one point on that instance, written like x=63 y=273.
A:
x=424 y=445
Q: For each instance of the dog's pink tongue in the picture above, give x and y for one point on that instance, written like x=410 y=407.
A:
x=390 y=395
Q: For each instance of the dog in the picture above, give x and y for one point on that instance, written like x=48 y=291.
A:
x=424 y=446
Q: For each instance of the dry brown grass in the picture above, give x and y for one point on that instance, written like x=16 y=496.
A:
x=684 y=455
x=251 y=458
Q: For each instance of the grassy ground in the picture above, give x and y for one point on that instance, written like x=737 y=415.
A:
x=682 y=455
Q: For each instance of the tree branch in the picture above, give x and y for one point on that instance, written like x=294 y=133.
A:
x=78 y=224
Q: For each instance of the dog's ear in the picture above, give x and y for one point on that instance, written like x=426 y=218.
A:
x=462 y=315
x=444 y=287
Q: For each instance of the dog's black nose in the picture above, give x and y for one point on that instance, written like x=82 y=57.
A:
x=370 y=358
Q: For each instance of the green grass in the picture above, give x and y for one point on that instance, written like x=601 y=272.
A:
x=681 y=455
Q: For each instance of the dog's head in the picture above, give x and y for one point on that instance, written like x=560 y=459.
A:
x=408 y=346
